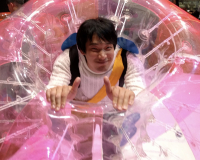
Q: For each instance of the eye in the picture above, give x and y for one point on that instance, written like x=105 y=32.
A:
x=94 y=49
x=108 y=48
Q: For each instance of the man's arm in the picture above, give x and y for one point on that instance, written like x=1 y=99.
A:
x=134 y=78
x=61 y=74
x=58 y=89
x=134 y=82
x=121 y=97
x=60 y=94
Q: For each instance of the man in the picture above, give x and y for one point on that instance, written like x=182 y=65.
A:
x=14 y=5
x=99 y=58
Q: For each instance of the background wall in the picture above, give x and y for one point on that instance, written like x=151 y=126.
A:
x=3 y=6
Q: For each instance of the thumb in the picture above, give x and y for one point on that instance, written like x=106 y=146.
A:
x=73 y=90
x=108 y=87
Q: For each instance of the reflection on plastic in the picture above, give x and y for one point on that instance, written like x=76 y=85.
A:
x=164 y=121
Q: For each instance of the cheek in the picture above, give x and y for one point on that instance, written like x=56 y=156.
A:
x=110 y=56
x=90 y=58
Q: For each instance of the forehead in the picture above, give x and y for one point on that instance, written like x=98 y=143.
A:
x=96 y=41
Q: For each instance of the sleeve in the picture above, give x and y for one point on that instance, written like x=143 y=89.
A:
x=61 y=74
x=134 y=77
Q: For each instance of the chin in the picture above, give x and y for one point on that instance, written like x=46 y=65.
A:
x=101 y=69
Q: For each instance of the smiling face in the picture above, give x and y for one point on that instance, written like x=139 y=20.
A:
x=99 y=54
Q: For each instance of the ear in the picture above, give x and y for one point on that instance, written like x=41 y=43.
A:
x=11 y=4
x=83 y=53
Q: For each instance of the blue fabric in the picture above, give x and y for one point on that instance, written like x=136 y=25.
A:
x=127 y=45
x=70 y=41
x=122 y=42
x=129 y=127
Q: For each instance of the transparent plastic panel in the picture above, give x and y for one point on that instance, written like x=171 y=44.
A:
x=164 y=121
x=80 y=131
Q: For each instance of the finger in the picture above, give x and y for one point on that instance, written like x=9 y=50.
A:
x=107 y=82
x=65 y=92
x=127 y=96
x=108 y=87
x=58 y=97
x=73 y=89
x=115 y=92
x=52 y=97
x=131 y=98
x=120 y=98
x=48 y=92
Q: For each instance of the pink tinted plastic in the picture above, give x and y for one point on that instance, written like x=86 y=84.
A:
x=164 y=121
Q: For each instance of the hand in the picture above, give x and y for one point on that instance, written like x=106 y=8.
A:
x=121 y=97
x=59 y=95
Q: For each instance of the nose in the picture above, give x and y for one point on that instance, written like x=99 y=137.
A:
x=102 y=55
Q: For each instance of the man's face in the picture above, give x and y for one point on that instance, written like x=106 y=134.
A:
x=11 y=7
x=99 y=54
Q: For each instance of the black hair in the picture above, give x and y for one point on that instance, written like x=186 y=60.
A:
x=102 y=27
x=18 y=2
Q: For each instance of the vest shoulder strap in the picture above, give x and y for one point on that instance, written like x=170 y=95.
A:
x=124 y=60
x=74 y=60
